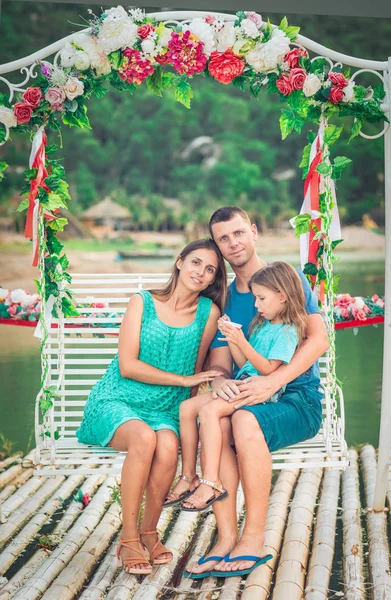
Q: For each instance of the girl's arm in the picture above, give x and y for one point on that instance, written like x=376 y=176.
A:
x=235 y=337
x=128 y=351
x=237 y=354
x=206 y=340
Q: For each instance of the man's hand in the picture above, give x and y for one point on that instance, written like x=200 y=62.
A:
x=226 y=389
x=255 y=390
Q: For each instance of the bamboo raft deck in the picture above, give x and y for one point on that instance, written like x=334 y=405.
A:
x=325 y=541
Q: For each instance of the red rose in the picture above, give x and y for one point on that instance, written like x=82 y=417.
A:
x=163 y=59
x=33 y=96
x=297 y=78
x=225 y=66
x=145 y=30
x=284 y=85
x=338 y=79
x=336 y=95
x=23 y=112
x=85 y=499
x=292 y=58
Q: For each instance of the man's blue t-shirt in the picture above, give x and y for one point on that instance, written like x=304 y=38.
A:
x=240 y=307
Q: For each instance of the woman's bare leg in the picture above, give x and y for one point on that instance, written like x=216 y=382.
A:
x=138 y=440
x=211 y=414
x=160 y=478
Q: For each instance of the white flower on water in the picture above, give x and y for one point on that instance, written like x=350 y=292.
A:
x=67 y=55
x=137 y=14
x=311 y=85
x=7 y=117
x=249 y=28
x=58 y=77
x=266 y=57
x=226 y=37
x=117 y=30
x=348 y=92
x=204 y=32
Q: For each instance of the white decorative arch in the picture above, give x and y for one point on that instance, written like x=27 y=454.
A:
x=382 y=69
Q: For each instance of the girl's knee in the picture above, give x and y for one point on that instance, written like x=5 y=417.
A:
x=187 y=410
x=208 y=411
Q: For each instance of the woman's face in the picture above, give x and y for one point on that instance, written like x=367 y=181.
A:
x=198 y=270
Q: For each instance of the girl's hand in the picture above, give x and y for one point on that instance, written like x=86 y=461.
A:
x=189 y=381
x=222 y=322
x=233 y=335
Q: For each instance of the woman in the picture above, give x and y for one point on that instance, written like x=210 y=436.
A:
x=164 y=338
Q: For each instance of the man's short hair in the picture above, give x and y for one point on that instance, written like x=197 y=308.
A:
x=226 y=213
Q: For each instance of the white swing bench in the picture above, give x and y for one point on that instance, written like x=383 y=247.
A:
x=79 y=351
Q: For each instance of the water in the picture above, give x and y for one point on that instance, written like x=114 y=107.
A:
x=359 y=367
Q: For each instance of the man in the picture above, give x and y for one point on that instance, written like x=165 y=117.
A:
x=296 y=416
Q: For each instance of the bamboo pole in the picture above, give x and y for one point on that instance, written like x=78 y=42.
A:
x=20 y=496
x=10 y=474
x=19 y=579
x=104 y=576
x=69 y=546
x=322 y=554
x=70 y=581
x=257 y=586
x=294 y=555
x=17 y=457
x=15 y=484
x=352 y=533
x=55 y=502
x=25 y=512
x=379 y=552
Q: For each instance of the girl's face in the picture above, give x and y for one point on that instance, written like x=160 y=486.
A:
x=268 y=302
x=198 y=270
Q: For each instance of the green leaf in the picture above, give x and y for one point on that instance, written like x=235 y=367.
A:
x=271 y=87
x=357 y=126
x=168 y=80
x=23 y=205
x=57 y=224
x=311 y=136
x=64 y=262
x=360 y=92
x=379 y=92
x=322 y=202
x=305 y=160
x=320 y=66
x=183 y=92
x=267 y=31
x=331 y=134
x=302 y=224
x=51 y=148
x=68 y=308
x=284 y=24
x=56 y=434
x=322 y=275
x=2 y=135
x=54 y=201
x=320 y=251
x=240 y=82
x=115 y=58
x=286 y=124
x=310 y=269
x=324 y=169
x=335 y=243
x=340 y=163
x=154 y=82
x=292 y=32
x=336 y=279
x=3 y=167
x=45 y=404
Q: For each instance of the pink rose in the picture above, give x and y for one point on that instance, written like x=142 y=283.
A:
x=284 y=85
x=23 y=112
x=225 y=66
x=145 y=30
x=336 y=95
x=345 y=313
x=338 y=79
x=33 y=96
x=55 y=97
x=343 y=300
x=359 y=314
x=210 y=20
x=297 y=78
x=292 y=58
x=12 y=310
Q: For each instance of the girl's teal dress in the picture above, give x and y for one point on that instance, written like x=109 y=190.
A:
x=115 y=399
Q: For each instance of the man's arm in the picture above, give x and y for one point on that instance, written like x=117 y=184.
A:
x=258 y=389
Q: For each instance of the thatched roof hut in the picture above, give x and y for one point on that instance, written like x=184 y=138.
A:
x=107 y=208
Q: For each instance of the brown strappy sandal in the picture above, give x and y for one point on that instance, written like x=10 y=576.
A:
x=126 y=563
x=184 y=495
x=219 y=493
x=156 y=552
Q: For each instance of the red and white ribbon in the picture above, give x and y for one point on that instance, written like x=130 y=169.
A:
x=37 y=161
x=314 y=185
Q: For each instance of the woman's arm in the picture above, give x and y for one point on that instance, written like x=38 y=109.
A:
x=206 y=340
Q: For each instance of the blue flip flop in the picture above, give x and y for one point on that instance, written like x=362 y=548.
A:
x=258 y=560
x=202 y=561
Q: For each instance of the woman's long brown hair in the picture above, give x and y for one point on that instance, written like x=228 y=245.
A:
x=281 y=277
x=216 y=291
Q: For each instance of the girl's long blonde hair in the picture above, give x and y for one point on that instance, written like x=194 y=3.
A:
x=281 y=277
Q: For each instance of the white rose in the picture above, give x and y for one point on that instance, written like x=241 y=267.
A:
x=348 y=92
x=101 y=64
x=148 y=46
x=204 y=32
x=7 y=117
x=82 y=60
x=311 y=85
x=73 y=88
x=3 y=293
x=67 y=55
x=358 y=303
x=18 y=296
x=249 y=28
x=226 y=37
x=117 y=31
x=266 y=57
x=164 y=37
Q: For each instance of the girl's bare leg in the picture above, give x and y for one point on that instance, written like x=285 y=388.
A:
x=160 y=478
x=188 y=413
x=211 y=441
x=138 y=440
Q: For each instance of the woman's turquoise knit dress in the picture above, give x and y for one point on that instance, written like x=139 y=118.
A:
x=115 y=399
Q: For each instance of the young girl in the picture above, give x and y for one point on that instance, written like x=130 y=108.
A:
x=276 y=331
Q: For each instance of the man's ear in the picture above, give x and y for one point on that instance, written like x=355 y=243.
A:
x=254 y=230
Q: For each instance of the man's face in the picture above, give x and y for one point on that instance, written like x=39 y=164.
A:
x=236 y=240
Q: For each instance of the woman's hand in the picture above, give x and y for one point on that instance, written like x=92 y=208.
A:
x=189 y=381
x=233 y=335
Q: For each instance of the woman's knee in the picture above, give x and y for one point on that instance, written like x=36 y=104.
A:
x=144 y=444
x=167 y=449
